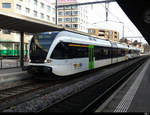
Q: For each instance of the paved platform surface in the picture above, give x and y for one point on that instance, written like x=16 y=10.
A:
x=11 y=70
x=141 y=101
x=12 y=75
x=10 y=63
x=132 y=96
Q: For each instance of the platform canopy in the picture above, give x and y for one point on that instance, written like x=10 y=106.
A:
x=139 y=13
x=25 y=24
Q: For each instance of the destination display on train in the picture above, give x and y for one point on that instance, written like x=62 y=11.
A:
x=44 y=37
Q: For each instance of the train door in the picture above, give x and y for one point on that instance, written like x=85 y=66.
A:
x=91 y=56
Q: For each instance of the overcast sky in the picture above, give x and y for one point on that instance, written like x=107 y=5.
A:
x=96 y=14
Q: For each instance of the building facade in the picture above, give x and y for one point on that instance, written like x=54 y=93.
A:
x=74 y=17
x=42 y=10
x=105 y=34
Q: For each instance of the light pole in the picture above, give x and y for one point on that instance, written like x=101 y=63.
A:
x=56 y=12
x=122 y=28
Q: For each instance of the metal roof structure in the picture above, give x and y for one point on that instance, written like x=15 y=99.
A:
x=25 y=24
x=21 y=23
x=139 y=13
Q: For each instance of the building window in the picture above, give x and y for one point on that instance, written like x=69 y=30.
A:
x=42 y=5
x=67 y=19
x=18 y=7
x=35 y=13
x=68 y=25
x=74 y=7
x=42 y=15
x=60 y=13
x=59 y=19
x=53 y=19
x=49 y=8
x=60 y=8
x=35 y=2
x=75 y=26
x=54 y=10
x=27 y=10
x=6 y=5
x=74 y=19
x=48 y=17
x=74 y=12
x=68 y=13
x=67 y=7
x=60 y=25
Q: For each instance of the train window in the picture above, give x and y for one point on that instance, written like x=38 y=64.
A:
x=119 y=52
x=97 y=53
x=78 y=50
x=45 y=40
x=101 y=52
x=122 y=52
x=115 y=52
x=129 y=52
x=61 y=51
x=105 y=53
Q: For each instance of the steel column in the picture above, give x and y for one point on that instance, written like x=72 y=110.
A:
x=22 y=50
x=56 y=12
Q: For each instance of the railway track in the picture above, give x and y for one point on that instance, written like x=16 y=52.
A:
x=20 y=93
x=12 y=95
x=91 y=98
x=92 y=106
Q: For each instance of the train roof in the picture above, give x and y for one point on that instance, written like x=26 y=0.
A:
x=86 y=38
x=83 y=39
x=122 y=46
x=133 y=48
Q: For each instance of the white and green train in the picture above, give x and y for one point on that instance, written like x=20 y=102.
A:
x=66 y=53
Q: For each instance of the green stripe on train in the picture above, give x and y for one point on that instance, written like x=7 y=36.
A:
x=91 y=56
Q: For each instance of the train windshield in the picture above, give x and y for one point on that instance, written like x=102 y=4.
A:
x=40 y=45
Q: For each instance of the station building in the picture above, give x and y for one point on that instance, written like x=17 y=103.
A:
x=74 y=17
x=105 y=34
x=42 y=10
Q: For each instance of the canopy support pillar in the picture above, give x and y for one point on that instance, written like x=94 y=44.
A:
x=22 y=50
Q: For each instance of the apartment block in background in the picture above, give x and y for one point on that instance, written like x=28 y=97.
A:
x=42 y=10
x=74 y=17
x=104 y=34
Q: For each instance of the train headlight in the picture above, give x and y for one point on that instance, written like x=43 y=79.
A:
x=48 y=61
x=28 y=60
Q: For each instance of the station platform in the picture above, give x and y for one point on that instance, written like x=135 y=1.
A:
x=133 y=95
x=13 y=74
x=11 y=70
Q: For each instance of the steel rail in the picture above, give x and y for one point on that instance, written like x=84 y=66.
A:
x=91 y=107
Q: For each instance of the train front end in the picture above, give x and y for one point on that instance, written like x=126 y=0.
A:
x=38 y=51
